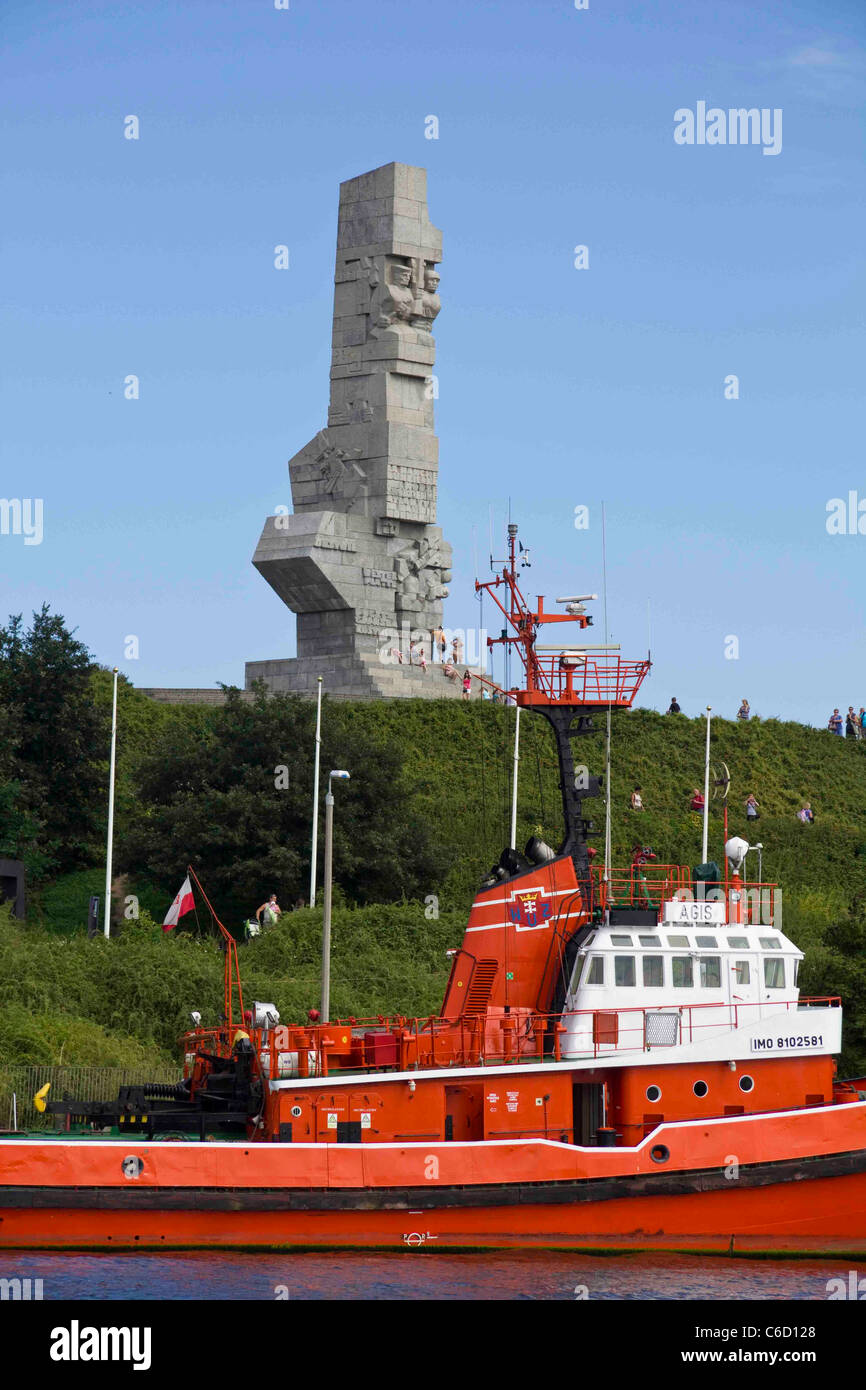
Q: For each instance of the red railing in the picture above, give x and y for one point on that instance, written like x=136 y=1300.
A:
x=519 y=1037
x=626 y=1030
x=651 y=885
x=573 y=679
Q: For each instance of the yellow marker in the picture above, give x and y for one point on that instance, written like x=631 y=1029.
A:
x=40 y=1097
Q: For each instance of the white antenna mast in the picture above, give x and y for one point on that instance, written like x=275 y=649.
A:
x=607 y=835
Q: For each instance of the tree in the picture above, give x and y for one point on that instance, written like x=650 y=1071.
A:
x=234 y=798
x=52 y=765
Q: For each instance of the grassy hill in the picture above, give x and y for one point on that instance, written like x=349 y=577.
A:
x=448 y=785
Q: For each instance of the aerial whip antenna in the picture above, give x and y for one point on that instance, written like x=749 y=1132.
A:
x=607 y=835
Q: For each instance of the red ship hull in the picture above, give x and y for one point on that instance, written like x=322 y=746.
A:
x=805 y=1195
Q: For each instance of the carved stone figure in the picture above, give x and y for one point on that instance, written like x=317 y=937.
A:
x=394 y=307
x=422 y=574
x=340 y=474
x=428 y=304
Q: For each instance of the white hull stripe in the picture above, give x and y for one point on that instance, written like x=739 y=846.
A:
x=498 y=926
x=534 y=888
x=449 y=1145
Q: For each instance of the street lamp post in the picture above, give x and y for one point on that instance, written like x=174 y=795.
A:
x=341 y=776
x=315 y=844
x=110 y=834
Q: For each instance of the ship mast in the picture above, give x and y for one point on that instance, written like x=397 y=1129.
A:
x=566 y=684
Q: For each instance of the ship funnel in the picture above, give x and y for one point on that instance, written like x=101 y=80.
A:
x=537 y=851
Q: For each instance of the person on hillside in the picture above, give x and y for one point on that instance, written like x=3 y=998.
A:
x=637 y=800
x=697 y=801
x=752 y=812
x=449 y=672
x=497 y=695
x=271 y=911
x=744 y=712
x=834 y=723
x=467 y=685
x=851 y=723
x=805 y=814
x=485 y=693
x=439 y=642
x=673 y=707
x=456 y=650
x=862 y=718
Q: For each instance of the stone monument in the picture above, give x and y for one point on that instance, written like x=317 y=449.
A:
x=361 y=559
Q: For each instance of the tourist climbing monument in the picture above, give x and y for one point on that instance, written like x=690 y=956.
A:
x=361 y=559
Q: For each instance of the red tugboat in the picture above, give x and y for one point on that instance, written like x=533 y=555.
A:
x=622 y=1061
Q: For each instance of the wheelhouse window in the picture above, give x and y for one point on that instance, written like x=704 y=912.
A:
x=623 y=971
x=682 y=972
x=711 y=972
x=738 y=943
x=771 y=943
x=742 y=974
x=678 y=941
x=796 y=972
x=707 y=941
x=653 y=972
x=594 y=971
x=650 y=941
x=774 y=972
x=620 y=940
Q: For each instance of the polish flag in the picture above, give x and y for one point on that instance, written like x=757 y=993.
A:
x=184 y=902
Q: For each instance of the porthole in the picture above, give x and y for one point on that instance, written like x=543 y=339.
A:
x=653 y=1093
x=747 y=1083
x=700 y=1089
x=660 y=1153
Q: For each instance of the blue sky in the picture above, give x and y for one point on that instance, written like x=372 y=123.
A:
x=558 y=387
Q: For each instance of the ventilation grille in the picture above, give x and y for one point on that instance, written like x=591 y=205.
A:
x=482 y=983
x=661 y=1029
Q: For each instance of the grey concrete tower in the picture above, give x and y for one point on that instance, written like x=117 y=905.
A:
x=361 y=560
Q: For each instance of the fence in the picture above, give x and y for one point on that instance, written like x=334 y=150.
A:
x=84 y=1083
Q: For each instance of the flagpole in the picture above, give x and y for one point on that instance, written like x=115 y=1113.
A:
x=706 y=793
x=514 y=785
x=608 y=852
x=110 y=844
x=316 y=798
